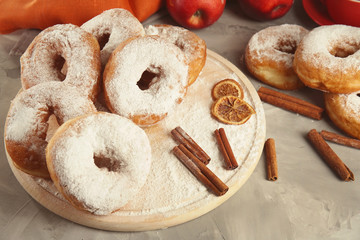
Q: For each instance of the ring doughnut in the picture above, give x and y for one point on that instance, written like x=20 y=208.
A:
x=27 y=122
x=112 y=27
x=144 y=79
x=269 y=55
x=99 y=153
x=192 y=45
x=63 y=52
x=328 y=59
x=344 y=111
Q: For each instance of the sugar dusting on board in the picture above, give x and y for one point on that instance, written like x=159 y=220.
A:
x=171 y=190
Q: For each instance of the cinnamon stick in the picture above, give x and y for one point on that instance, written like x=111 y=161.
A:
x=200 y=171
x=182 y=137
x=288 y=98
x=336 y=138
x=271 y=161
x=225 y=149
x=222 y=149
x=329 y=156
x=192 y=142
x=293 y=106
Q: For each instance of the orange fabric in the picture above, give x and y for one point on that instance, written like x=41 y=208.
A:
x=40 y=14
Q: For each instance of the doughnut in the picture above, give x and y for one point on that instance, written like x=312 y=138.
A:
x=27 y=122
x=269 y=55
x=99 y=161
x=191 y=44
x=145 y=78
x=112 y=27
x=344 y=111
x=328 y=59
x=65 y=53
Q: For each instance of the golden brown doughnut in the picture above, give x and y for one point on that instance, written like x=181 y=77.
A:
x=344 y=111
x=270 y=52
x=58 y=46
x=191 y=44
x=328 y=59
x=111 y=28
x=99 y=161
x=145 y=78
x=27 y=122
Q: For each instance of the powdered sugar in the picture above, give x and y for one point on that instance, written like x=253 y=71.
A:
x=118 y=24
x=111 y=136
x=351 y=102
x=170 y=189
x=30 y=109
x=21 y=120
x=186 y=40
x=27 y=121
x=155 y=55
x=322 y=44
x=277 y=43
x=64 y=42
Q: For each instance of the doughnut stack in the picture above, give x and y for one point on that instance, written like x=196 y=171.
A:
x=326 y=58
x=57 y=126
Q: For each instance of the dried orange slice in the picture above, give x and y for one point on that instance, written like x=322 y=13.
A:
x=232 y=110
x=227 y=87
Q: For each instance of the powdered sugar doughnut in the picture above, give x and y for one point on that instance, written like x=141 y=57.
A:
x=270 y=52
x=111 y=28
x=99 y=161
x=144 y=79
x=344 y=111
x=27 y=122
x=328 y=59
x=192 y=45
x=63 y=45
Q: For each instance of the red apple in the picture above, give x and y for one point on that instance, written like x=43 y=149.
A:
x=195 y=13
x=265 y=9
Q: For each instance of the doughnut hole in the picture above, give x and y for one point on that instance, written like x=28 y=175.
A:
x=286 y=45
x=344 y=48
x=149 y=77
x=53 y=118
x=103 y=40
x=60 y=66
x=112 y=165
x=50 y=116
x=53 y=125
x=180 y=44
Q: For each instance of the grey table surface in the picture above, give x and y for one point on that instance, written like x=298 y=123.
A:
x=307 y=201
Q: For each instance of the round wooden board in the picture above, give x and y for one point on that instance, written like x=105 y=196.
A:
x=173 y=196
